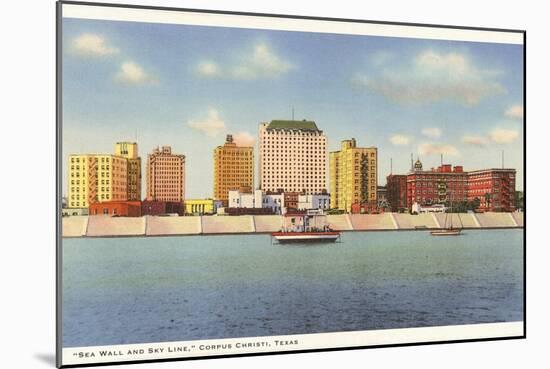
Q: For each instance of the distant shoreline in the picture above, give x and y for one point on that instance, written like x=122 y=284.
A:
x=268 y=233
x=98 y=226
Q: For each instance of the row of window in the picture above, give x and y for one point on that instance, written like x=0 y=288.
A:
x=166 y=159
x=303 y=135
x=315 y=175
x=224 y=154
x=492 y=176
x=433 y=191
x=297 y=189
x=235 y=167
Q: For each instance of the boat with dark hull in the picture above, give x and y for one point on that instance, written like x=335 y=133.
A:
x=306 y=237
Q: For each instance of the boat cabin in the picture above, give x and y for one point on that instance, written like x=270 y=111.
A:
x=305 y=222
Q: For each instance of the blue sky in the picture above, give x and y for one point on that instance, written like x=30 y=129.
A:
x=188 y=86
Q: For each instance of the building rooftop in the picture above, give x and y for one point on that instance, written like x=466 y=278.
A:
x=304 y=125
x=492 y=170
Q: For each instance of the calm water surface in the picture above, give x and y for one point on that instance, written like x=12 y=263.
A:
x=135 y=290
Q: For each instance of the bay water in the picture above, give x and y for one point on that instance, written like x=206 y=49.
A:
x=159 y=289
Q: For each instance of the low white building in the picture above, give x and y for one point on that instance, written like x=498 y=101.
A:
x=257 y=199
x=437 y=208
x=239 y=199
x=276 y=201
x=314 y=202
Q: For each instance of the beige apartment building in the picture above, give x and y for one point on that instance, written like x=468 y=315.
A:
x=353 y=175
x=129 y=150
x=293 y=157
x=165 y=175
x=233 y=169
x=96 y=178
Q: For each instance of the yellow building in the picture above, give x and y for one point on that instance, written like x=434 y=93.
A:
x=200 y=206
x=129 y=150
x=96 y=178
x=233 y=169
x=353 y=175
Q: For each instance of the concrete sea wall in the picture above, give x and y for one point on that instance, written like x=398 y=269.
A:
x=75 y=226
x=268 y=223
x=168 y=226
x=339 y=222
x=105 y=226
x=407 y=221
x=228 y=224
x=361 y=222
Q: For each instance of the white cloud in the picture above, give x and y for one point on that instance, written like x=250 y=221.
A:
x=89 y=44
x=400 y=140
x=432 y=132
x=262 y=62
x=433 y=77
x=503 y=136
x=133 y=74
x=381 y=57
x=431 y=149
x=208 y=69
x=212 y=125
x=514 y=112
x=475 y=140
x=244 y=139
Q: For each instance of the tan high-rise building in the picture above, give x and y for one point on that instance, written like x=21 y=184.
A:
x=129 y=150
x=353 y=175
x=233 y=169
x=165 y=175
x=96 y=178
x=293 y=157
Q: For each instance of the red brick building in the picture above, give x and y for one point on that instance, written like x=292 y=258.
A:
x=396 y=195
x=161 y=207
x=495 y=188
x=444 y=184
x=116 y=208
x=370 y=207
x=291 y=200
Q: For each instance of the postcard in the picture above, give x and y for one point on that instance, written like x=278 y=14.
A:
x=240 y=184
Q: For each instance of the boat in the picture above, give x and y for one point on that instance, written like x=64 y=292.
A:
x=305 y=227
x=302 y=237
x=448 y=230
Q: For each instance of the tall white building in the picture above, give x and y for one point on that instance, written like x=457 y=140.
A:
x=293 y=157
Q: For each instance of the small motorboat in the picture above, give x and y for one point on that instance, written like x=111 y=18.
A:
x=305 y=227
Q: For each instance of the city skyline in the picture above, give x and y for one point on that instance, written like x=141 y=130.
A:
x=168 y=86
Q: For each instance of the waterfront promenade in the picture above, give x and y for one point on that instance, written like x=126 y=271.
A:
x=105 y=226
